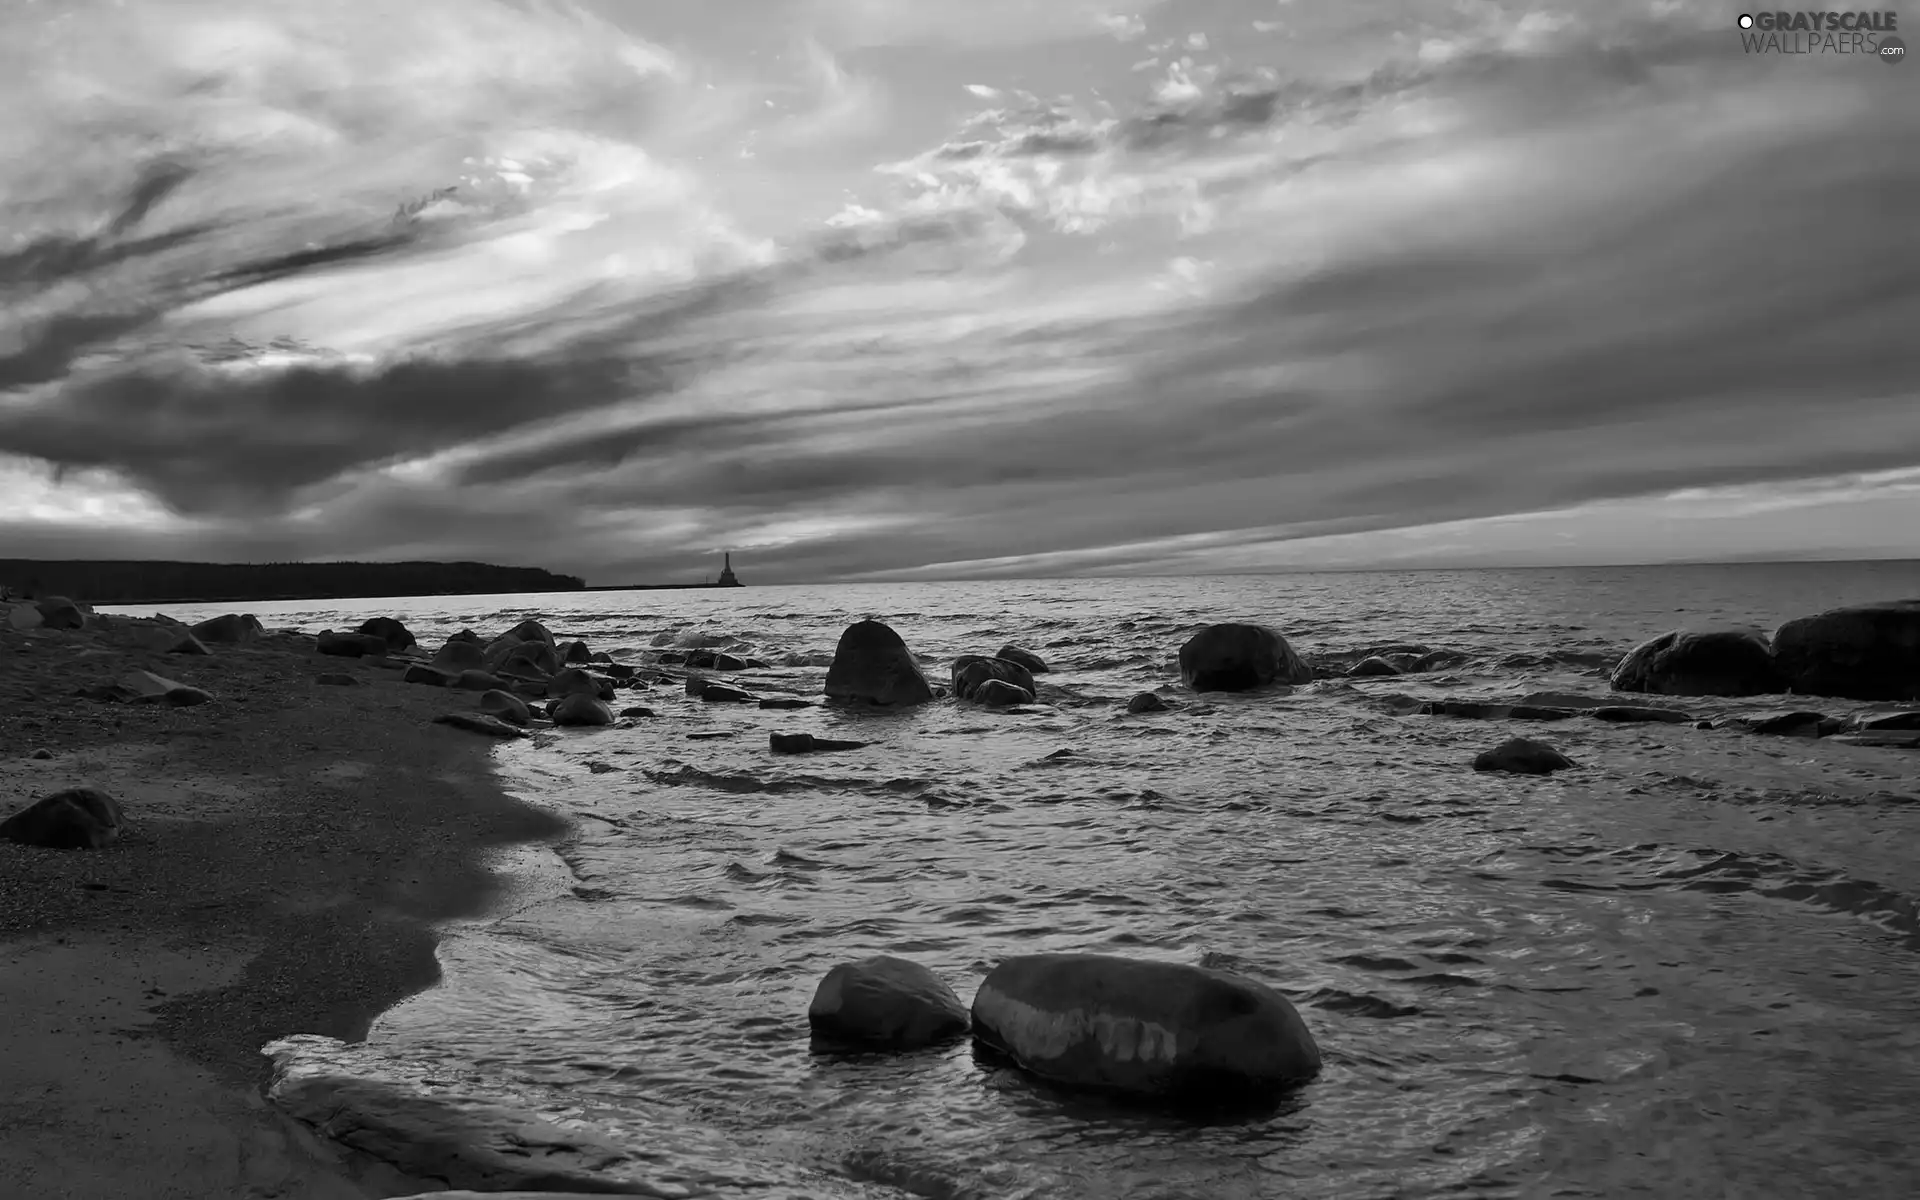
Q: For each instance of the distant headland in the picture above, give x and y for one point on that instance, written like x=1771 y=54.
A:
x=161 y=582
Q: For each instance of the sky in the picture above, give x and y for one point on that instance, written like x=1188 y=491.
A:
x=896 y=289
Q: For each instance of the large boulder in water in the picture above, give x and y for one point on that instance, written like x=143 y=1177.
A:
x=1239 y=658
x=1157 y=1029
x=76 y=819
x=971 y=671
x=1522 y=756
x=388 y=630
x=872 y=665
x=885 y=1001
x=1865 y=652
x=1724 y=662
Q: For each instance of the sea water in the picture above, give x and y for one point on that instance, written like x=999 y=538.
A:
x=1686 y=968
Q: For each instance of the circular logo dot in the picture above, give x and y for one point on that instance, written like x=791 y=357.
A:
x=1892 y=50
x=1746 y=21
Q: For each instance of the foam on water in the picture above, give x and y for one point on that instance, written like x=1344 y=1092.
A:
x=1687 y=968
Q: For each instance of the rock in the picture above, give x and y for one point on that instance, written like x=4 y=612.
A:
x=727 y=662
x=580 y=708
x=467 y=635
x=1522 y=756
x=806 y=743
x=601 y=656
x=1865 y=652
x=58 y=612
x=1239 y=658
x=1157 y=1029
x=459 y=655
x=1795 y=724
x=1372 y=668
x=1027 y=659
x=1889 y=722
x=1484 y=710
x=1887 y=740
x=24 y=616
x=506 y=706
x=474 y=722
x=190 y=645
x=1562 y=700
x=526 y=657
x=350 y=645
x=477 y=681
x=670 y=657
x=618 y=672
x=144 y=687
x=231 y=629
x=1728 y=662
x=785 y=702
x=638 y=710
x=998 y=693
x=886 y=1001
x=1628 y=714
x=42 y=754
x=388 y=630
x=575 y=653
x=726 y=693
x=574 y=681
x=422 y=673
x=1146 y=702
x=1439 y=660
x=871 y=665
x=336 y=679
x=530 y=631
x=81 y=818
x=705 y=735
x=970 y=671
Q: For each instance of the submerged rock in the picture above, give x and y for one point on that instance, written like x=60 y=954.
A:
x=1146 y=702
x=871 y=665
x=1024 y=658
x=1522 y=756
x=1728 y=662
x=806 y=743
x=579 y=708
x=1157 y=1029
x=1239 y=658
x=80 y=818
x=998 y=693
x=887 y=1002
x=1864 y=652
x=1371 y=668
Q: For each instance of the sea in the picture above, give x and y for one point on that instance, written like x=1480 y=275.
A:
x=1689 y=967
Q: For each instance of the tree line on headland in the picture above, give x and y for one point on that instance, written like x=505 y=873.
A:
x=105 y=582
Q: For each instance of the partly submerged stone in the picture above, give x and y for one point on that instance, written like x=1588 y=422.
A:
x=886 y=1001
x=81 y=818
x=785 y=702
x=998 y=693
x=1722 y=662
x=1372 y=667
x=806 y=743
x=1236 y=657
x=971 y=672
x=1864 y=652
x=1634 y=714
x=1146 y=702
x=1157 y=1029
x=1025 y=658
x=1522 y=756
x=871 y=665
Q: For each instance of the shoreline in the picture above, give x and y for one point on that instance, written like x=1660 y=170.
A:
x=291 y=850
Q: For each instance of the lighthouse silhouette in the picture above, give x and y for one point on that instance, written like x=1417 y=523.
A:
x=727 y=578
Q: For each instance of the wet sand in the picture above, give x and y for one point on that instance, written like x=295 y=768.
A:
x=289 y=848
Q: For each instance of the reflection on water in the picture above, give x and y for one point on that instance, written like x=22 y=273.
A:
x=1687 y=969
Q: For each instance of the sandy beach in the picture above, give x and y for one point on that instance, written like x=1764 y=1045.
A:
x=288 y=848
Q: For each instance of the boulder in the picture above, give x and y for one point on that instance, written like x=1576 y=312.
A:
x=573 y=681
x=144 y=687
x=432 y=677
x=576 y=652
x=998 y=693
x=526 y=657
x=1374 y=667
x=350 y=645
x=785 y=702
x=638 y=710
x=806 y=743
x=726 y=693
x=971 y=671
x=1865 y=652
x=1522 y=756
x=888 y=1002
x=476 y=681
x=727 y=662
x=1239 y=658
x=506 y=706
x=188 y=644
x=460 y=655
x=230 y=629
x=1799 y=723
x=1157 y=1029
x=871 y=665
x=336 y=679
x=80 y=818
x=1726 y=662
x=580 y=708
x=1146 y=702
x=1888 y=722
x=468 y=635
x=388 y=630
x=24 y=616
x=58 y=612
x=1032 y=663
x=530 y=631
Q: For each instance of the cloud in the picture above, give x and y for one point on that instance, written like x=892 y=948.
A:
x=983 y=23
